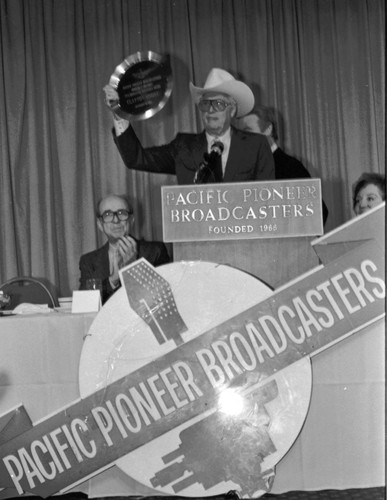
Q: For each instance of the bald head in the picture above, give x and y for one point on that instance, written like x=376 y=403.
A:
x=113 y=199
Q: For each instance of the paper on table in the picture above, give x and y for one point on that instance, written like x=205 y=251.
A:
x=86 y=301
x=27 y=308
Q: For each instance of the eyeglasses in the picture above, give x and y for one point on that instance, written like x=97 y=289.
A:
x=122 y=215
x=217 y=104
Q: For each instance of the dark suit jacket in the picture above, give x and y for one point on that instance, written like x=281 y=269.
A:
x=288 y=167
x=249 y=159
x=96 y=264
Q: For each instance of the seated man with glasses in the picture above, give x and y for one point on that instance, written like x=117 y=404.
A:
x=238 y=156
x=114 y=219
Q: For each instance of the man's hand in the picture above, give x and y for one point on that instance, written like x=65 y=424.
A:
x=111 y=95
x=111 y=100
x=126 y=253
x=127 y=247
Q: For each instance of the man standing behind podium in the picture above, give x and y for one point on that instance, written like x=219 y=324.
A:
x=192 y=157
x=114 y=214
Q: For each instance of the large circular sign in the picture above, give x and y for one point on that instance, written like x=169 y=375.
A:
x=144 y=84
x=242 y=430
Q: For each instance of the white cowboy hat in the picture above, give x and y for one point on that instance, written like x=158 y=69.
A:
x=219 y=80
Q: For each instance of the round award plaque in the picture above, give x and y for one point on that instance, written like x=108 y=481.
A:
x=184 y=407
x=143 y=82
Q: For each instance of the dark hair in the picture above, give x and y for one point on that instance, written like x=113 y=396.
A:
x=268 y=117
x=369 y=178
x=121 y=196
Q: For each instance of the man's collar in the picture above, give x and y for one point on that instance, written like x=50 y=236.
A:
x=224 y=138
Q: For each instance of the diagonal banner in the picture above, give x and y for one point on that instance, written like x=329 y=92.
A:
x=302 y=319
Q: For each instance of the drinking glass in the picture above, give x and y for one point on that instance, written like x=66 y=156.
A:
x=94 y=284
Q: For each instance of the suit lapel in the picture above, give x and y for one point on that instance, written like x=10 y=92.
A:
x=232 y=165
x=200 y=147
x=102 y=259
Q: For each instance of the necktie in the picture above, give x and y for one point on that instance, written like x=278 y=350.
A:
x=217 y=148
x=116 y=262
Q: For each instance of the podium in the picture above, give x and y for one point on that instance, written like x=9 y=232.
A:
x=262 y=228
x=274 y=261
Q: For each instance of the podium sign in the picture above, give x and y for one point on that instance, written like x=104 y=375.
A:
x=234 y=211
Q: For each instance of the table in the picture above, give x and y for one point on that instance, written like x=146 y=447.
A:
x=341 y=445
x=39 y=358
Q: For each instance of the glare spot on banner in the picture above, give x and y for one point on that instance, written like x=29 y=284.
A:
x=230 y=402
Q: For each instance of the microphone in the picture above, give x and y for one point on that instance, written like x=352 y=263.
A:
x=217 y=148
x=207 y=166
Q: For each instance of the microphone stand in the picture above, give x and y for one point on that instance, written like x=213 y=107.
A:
x=207 y=165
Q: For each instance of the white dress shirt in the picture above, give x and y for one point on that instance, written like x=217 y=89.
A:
x=226 y=140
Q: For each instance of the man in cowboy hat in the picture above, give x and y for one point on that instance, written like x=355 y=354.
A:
x=220 y=153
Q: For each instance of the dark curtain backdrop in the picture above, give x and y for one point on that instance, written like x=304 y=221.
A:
x=319 y=62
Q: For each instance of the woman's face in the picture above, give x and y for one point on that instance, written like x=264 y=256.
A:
x=368 y=197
